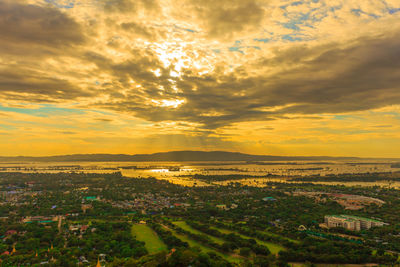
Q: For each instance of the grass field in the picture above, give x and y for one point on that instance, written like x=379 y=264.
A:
x=266 y=232
x=144 y=233
x=273 y=234
x=186 y=227
x=274 y=248
x=193 y=243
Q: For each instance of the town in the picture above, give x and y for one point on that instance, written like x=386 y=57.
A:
x=70 y=219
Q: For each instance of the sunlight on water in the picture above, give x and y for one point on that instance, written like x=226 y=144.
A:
x=183 y=173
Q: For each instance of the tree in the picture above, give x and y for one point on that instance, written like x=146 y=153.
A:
x=262 y=261
x=245 y=252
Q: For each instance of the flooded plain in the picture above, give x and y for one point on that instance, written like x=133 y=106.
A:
x=253 y=173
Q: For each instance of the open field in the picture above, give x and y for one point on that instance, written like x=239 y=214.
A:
x=266 y=232
x=276 y=235
x=186 y=227
x=296 y=264
x=274 y=248
x=153 y=243
x=194 y=243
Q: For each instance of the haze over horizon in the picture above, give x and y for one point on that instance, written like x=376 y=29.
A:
x=265 y=77
x=186 y=155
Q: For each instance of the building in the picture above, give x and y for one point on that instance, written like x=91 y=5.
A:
x=86 y=207
x=349 y=222
x=341 y=221
x=11 y=232
x=269 y=199
x=222 y=207
x=349 y=202
x=91 y=198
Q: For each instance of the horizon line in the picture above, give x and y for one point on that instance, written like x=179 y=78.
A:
x=201 y=151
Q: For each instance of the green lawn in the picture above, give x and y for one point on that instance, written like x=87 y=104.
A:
x=274 y=248
x=273 y=234
x=194 y=243
x=186 y=227
x=144 y=233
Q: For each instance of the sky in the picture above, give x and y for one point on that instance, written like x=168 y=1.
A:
x=276 y=77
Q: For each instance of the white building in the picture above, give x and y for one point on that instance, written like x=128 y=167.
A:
x=349 y=222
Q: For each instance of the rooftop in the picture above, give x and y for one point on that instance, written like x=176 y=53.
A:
x=351 y=217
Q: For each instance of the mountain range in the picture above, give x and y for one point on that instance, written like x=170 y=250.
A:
x=172 y=156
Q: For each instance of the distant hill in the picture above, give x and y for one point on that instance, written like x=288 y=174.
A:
x=169 y=156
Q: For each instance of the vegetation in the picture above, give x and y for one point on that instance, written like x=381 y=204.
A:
x=143 y=233
x=62 y=219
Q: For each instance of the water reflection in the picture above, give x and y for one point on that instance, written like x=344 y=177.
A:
x=182 y=173
x=262 y=182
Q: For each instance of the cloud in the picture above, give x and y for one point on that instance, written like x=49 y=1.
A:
x=302 y=79
x=176 y=63
x=129 y=6
x=66 y=132
x=22 y=84
x=135 y=78
x=142 y=30
x=224 y=18
x=24 y=25
x=336 y=77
